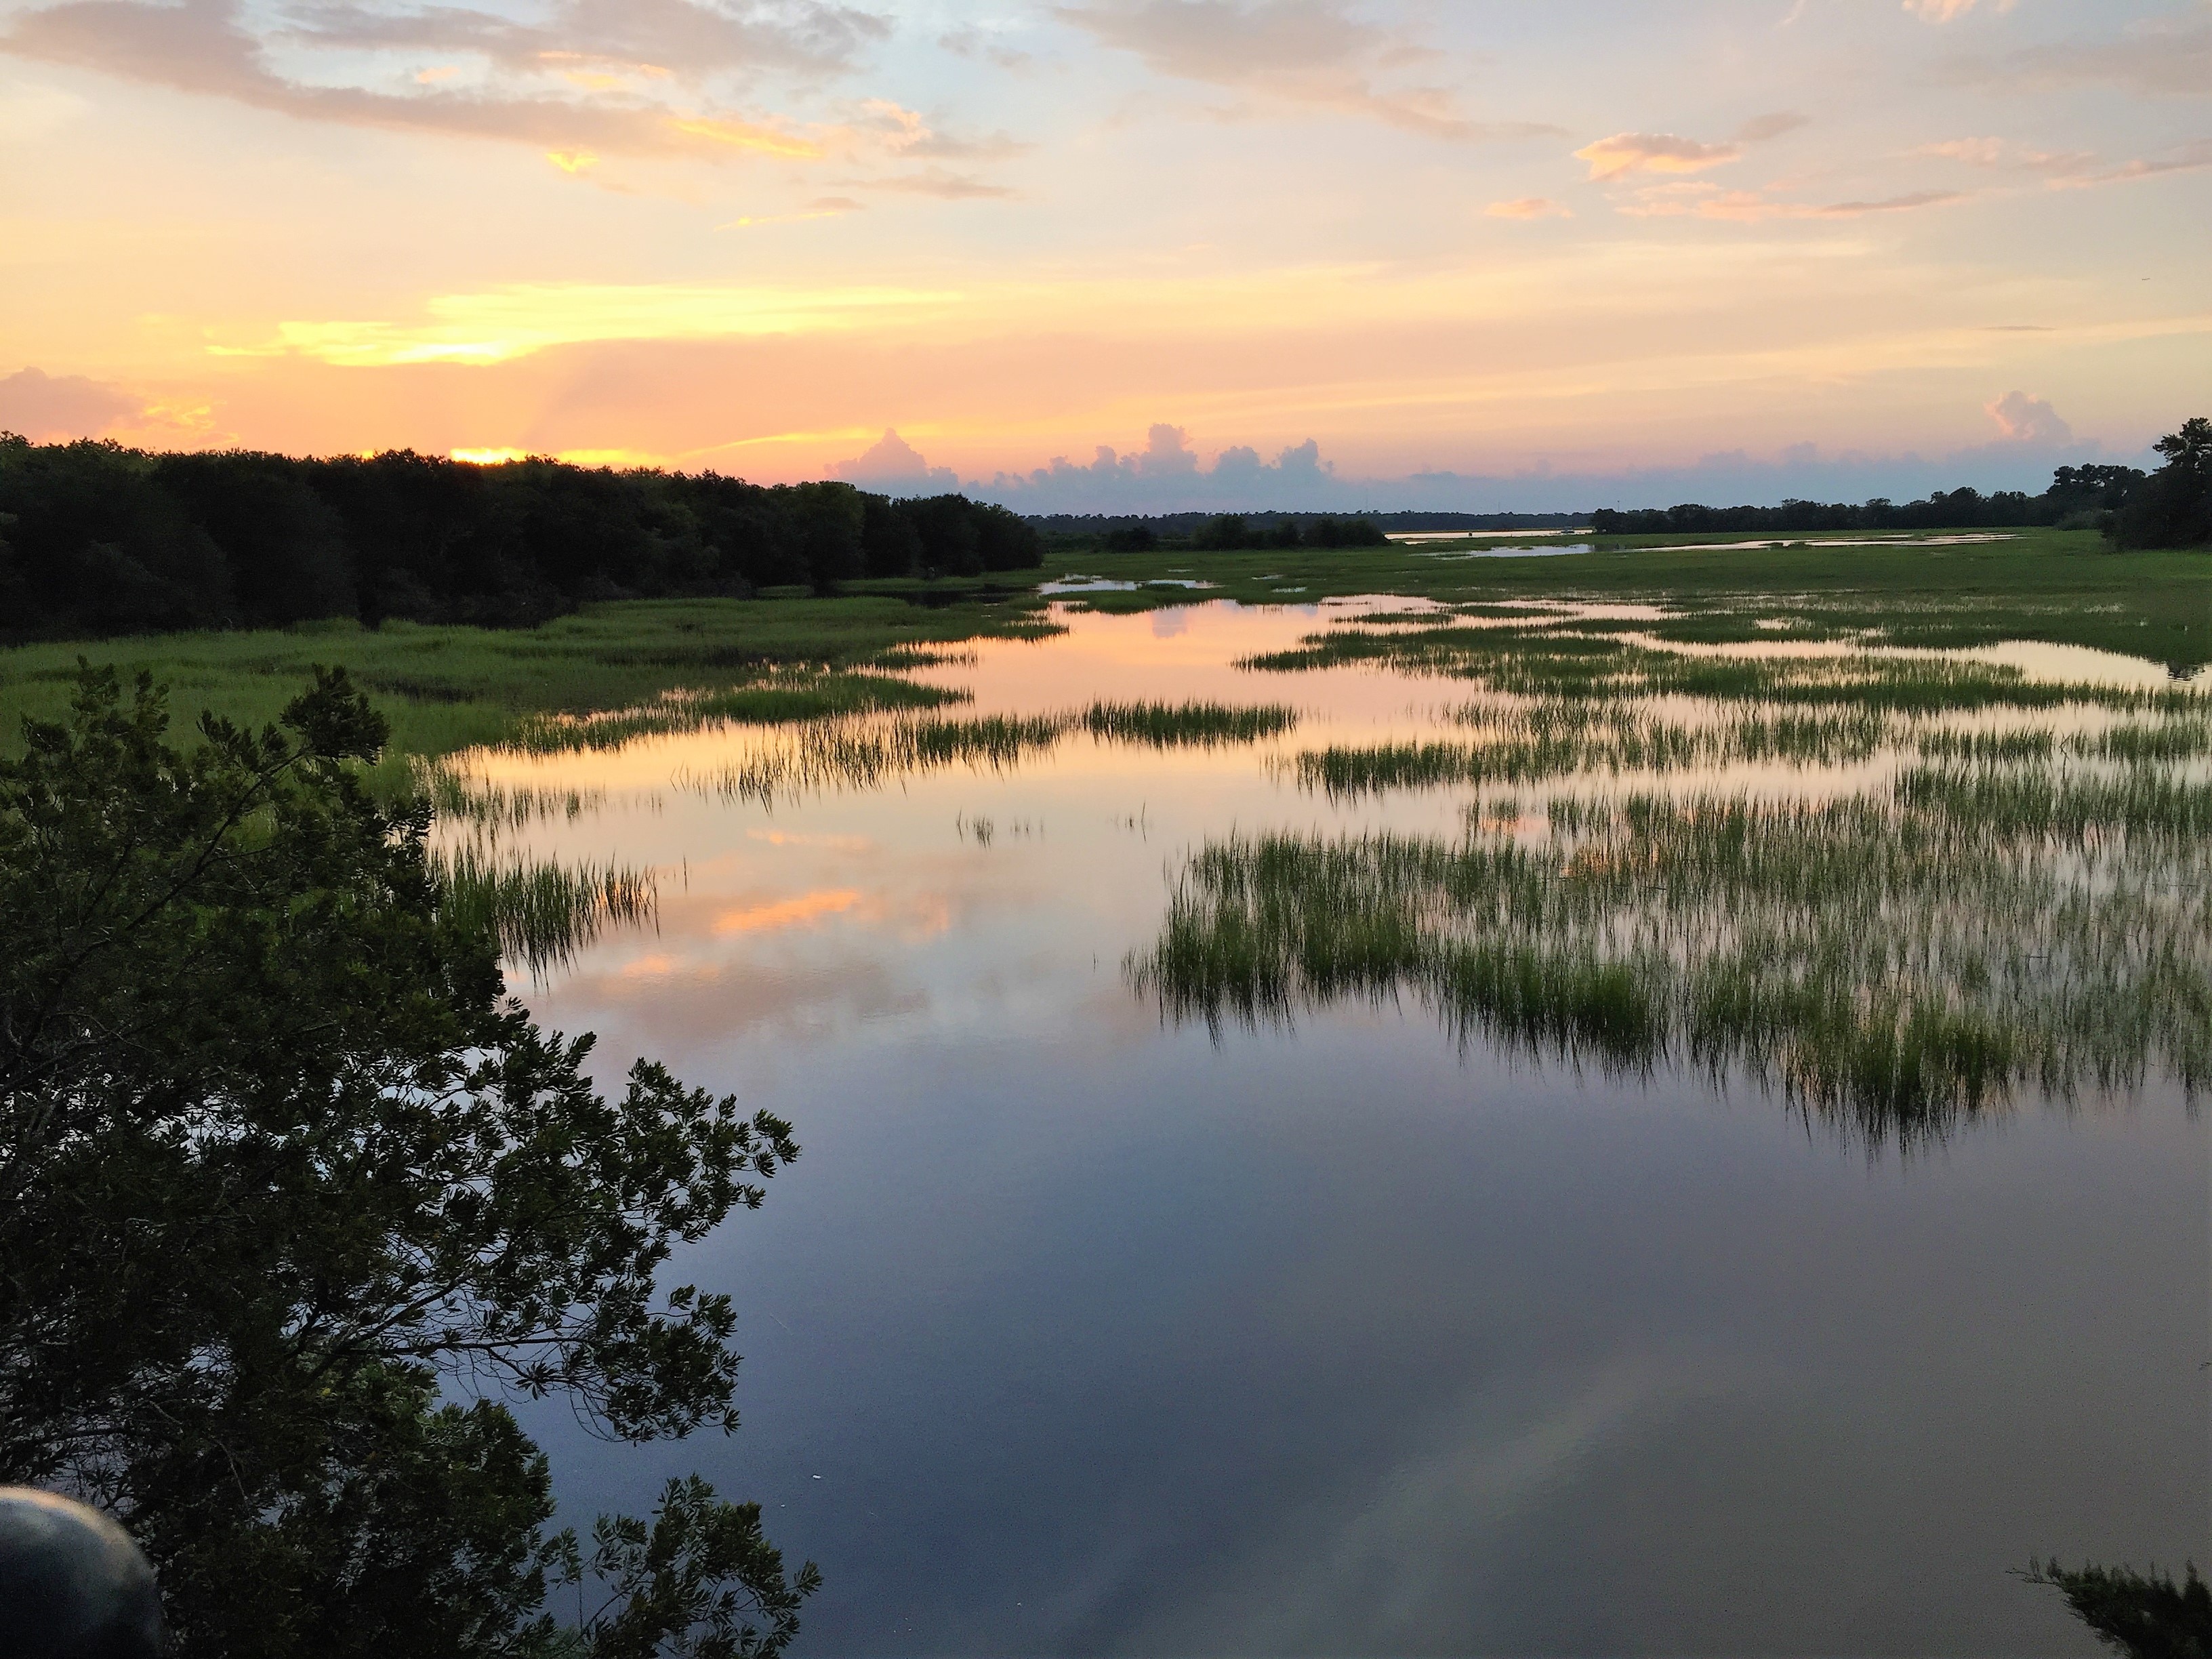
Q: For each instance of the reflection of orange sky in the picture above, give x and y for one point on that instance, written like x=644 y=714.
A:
x=1169 y=656
x=910 y=918
x=787 y=913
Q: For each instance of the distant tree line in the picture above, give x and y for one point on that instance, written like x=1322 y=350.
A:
x=2170 y=507
x=96 y=539
x=1137 y=532
x=1228 y=531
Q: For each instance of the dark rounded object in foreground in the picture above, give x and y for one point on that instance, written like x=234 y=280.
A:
x=72 y=1584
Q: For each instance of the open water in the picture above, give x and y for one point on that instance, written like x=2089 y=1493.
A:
x=1078 y=1331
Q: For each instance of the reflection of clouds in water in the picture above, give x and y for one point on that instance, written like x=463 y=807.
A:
x=1393 y=1566
x=672 y=1003
x=779 y=913
x=1168 y=623
x=831 y=843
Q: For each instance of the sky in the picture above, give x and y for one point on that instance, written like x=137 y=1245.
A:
x=1115 y=255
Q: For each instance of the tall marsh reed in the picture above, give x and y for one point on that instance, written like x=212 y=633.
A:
x=541 y=912
x=1893 y=961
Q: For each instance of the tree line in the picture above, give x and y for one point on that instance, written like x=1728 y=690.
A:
x=1136 y=533
x=96 y=539
x=2170 y=508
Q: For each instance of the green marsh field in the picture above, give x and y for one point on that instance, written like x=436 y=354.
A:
x=795 y=656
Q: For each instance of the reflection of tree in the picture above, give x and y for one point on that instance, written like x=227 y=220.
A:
x=1893 y=961
x=2145 y=1615
x=291 y=1196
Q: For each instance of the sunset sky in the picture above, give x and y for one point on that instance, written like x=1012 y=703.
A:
x=1267 y=251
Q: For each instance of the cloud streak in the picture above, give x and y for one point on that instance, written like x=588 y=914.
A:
x=1707 y=201
x=2171 y=61
x=520 y=319
x=667 y=37
x=1296 y=53
x=201 y=47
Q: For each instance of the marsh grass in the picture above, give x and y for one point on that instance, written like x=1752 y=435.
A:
x=1171 y=726
x=1558 y=665
x=862 y=754
x=1894 y=962
x=541 y=912
x=1551 y=740
x=2172 y=739
x=2030 y=744
x=782 y=698
x=492 y=810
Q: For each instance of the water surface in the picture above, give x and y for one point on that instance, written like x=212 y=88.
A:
x=1081 y=1330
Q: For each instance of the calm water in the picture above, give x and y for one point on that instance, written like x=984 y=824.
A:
x=1077 y=1332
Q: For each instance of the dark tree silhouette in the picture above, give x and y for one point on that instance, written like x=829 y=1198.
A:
x=97 y=539
x=294 y=1198
x=2144 y=1615
x=2173 y=507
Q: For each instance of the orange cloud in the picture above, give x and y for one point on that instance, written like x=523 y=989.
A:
x=572 y=161
x=1652 y=152
x=750 y=136
x=525 y=318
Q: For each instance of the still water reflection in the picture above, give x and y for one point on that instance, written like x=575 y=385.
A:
x=1078 y=1330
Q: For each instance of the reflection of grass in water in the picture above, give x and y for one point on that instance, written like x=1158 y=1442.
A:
x=2033 y=744
x=2168 y=740
x=543 y=914
x=2076 y=810
x=868 y=755
x=1165 y=725
x=853 y=755
x=1575 y=665
x=1554 y=740
x=491 y=808
x=782 y=699
x=1892 y=963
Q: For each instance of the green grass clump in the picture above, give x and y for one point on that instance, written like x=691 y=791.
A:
x=1542 y=741
x=837 y=755
x=2073 y=809
x=860 y=754
x=1892 y=961
x=2171 y=740
x=1558 y=665
x=542 y=914
x=781 y=699
x=1169 y=725
x=2033 y=743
